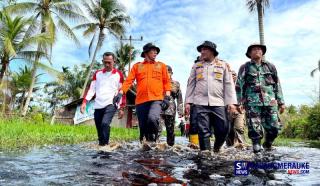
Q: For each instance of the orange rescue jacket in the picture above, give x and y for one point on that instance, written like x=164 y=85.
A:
x=152 y=81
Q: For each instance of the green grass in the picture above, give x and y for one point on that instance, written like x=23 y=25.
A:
x=291 y=142
x=20 y=134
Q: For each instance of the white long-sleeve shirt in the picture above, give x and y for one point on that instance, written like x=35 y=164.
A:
x=105 y=86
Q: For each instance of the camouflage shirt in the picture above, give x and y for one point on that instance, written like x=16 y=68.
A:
x=175 y=95
x=259 y=85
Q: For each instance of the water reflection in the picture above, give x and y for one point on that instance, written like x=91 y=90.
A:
x=129 y=165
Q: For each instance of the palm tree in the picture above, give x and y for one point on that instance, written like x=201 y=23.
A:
x=123 y=56
x=14 y=41
x=49 y=15
x=312 y=75
x=107 y=15
x=67 y=87
x=7 y=2
x=259 y=6
x=18 y=86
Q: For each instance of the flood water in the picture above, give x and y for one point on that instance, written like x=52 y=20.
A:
x=130 y=164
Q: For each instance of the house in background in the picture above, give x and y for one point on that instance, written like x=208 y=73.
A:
x=70 y=113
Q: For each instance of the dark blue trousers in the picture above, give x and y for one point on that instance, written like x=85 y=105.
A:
x=102 y=119
x=148 y=116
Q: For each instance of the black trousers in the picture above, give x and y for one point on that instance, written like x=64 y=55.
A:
x=169 y=123
x=193 y=121
x=208 y=117
x=102 y=119
x=148 y=116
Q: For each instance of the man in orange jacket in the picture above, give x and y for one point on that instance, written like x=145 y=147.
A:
x=152 y=84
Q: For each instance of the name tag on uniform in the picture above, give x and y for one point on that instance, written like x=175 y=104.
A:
x=199 y=76
x=218 y=76
x=217 y=73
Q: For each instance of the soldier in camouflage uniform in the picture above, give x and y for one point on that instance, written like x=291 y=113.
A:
x=168 y=115
x=259 y=91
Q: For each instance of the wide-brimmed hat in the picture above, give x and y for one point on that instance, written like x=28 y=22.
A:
x=210 y=45
x=169 y=69
x=263 y=47
x=147 y=47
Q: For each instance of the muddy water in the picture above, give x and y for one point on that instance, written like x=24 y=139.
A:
x=130 y=164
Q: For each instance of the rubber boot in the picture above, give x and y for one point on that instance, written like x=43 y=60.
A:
x=256 y=145
x=217 y=145
x=267 y=144
x=205 y=144
x=194 y=139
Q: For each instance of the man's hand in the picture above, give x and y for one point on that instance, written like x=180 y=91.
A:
x=120 y=114
x=168 y=93
x=83 y=108
x=232 y=108
x=117 y=98
x=165 y=103
x=282 y=108
x=187 y=109
x=240 y=109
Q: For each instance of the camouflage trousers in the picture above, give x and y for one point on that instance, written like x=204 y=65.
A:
x=262 y=119
x=168 y=121
x=237 y=124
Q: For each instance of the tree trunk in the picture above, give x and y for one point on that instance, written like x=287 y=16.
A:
x=33 y=73
x=92 y=64
x=33 y=80
x=260 y=21
x=22 y=101
x=53 y=116
x=13 y=102
x=4 y=67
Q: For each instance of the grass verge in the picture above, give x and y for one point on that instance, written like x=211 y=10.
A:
x=17 y=133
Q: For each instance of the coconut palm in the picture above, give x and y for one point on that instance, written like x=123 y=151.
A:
x=18 y=86
x=123 y=56
x=49 y=16
x=312 y=75
x=259 y=6
x=14 y=43
x=7 y=2
x=68 y=85
x=107 y=15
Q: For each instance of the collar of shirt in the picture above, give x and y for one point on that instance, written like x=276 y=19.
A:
x=253 y=62
x=146 y=61
x=104 y=70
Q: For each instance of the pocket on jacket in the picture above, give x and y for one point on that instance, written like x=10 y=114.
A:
x=268 y=78
x=141 y=75
x=251 y=78
x=156 y=74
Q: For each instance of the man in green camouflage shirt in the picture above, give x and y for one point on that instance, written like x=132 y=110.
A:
x=259 y=91
x=168 y=115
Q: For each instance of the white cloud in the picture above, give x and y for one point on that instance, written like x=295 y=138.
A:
x=292 y=37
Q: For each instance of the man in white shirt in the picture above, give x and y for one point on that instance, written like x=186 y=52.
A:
x=105 y=86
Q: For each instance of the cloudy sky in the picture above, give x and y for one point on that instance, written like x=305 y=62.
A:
x=292 y=36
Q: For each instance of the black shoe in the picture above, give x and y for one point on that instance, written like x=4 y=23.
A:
x=205 y=144
x=102 y=144
x=256 y=146
x=267 y=146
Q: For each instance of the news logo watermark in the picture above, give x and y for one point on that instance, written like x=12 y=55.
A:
x=243 y=168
